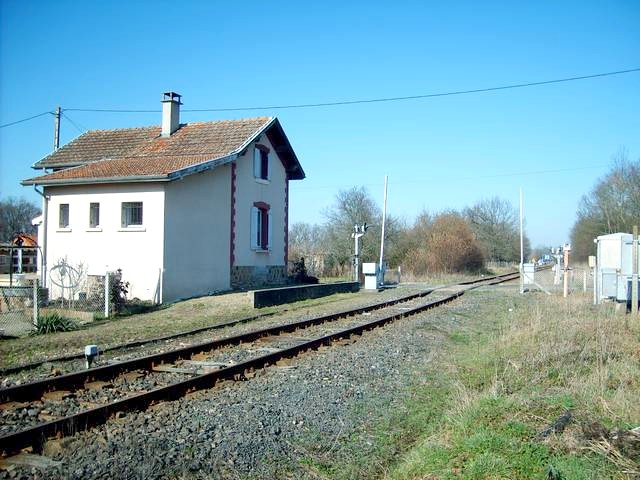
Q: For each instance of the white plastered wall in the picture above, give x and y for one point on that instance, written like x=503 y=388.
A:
x=250 y=190
x=197 y=237
x=137 y=251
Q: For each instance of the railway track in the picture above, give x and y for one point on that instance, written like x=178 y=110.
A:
x=64 y=405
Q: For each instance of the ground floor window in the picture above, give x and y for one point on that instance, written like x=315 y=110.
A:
x=131 y=214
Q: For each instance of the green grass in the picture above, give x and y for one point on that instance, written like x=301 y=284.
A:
x=517 y=374
x=512 y=368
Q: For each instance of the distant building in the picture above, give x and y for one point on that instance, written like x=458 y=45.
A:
x=183 y=209
x=20 y=255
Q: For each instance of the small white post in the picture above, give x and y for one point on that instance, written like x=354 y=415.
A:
x=584 y=280
x=634 y=272
x=593 y=265
x=106 y=295
x=35 y=303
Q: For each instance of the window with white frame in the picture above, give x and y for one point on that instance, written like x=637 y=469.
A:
x=131 y=214
x=63 y=217
x=260 y=227
x=94 y=215
x=261 y=163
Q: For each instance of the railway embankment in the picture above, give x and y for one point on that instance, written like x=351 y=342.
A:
x=493 y=384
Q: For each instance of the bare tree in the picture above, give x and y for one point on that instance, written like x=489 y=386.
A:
x=612 y=206
x=495 y=224
x=15 y=217
x=352 y=207
x=307 y=241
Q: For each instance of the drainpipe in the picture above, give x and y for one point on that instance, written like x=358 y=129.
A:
x=43 y=250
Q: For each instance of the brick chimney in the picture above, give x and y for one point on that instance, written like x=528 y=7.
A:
x=170 y=113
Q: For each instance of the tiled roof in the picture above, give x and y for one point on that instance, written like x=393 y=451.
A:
x=142 y=152
x=98 y=145
x=144 y=166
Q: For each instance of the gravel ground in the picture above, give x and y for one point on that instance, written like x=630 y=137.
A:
x=49 y=369
x=15 y=416
x=270 y=426
x=174 y=318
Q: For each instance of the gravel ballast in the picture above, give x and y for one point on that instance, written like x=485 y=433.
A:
x=271 y=425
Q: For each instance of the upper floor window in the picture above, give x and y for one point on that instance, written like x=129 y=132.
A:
x=63 y=217
x=131 y=214
x=94 y=215
x=261 y=162
x=260 y=226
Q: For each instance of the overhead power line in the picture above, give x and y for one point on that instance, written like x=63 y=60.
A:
x=25 y=119
x=77 y=126
x=340 y=103
x=475 y=177
x=372 y=100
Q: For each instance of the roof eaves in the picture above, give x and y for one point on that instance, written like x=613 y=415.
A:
x=201 y=167
x=35 y=166
x=255 y=135
x=216 y=162
x=89 y=181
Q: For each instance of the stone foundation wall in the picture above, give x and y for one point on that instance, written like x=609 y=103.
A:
x=250 y=277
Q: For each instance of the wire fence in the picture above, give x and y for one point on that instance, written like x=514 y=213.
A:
x=579 y=279
x=17 y=311
x=24 y=303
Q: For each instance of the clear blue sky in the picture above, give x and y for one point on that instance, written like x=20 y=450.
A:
x=440 y=153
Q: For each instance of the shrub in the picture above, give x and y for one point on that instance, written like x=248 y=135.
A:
x=452 y=247
x=299 y=273
x=53 y=322
x=118 y=291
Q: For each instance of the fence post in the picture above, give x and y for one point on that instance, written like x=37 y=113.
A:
x=106 y=295
x=584 y=280
x=35 y=303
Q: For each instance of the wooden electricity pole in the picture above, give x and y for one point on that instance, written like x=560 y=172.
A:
x=56 y=130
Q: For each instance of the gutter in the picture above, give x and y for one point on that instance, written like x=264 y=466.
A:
x=80 y=181
x=45 y=215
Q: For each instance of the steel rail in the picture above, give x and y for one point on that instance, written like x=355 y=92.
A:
x=34 y=390
x=36 y=436
x=136 y=343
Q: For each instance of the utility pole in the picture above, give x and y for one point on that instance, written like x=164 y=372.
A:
x=634 y=270
x=384 y=219
x=521 y=245
x=565 y=251
x=56 y=131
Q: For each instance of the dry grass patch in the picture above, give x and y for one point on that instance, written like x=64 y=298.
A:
x=536 y=360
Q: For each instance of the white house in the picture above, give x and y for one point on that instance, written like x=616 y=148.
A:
x=182 y=209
